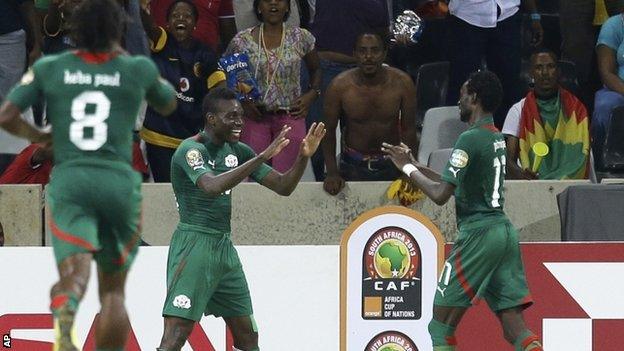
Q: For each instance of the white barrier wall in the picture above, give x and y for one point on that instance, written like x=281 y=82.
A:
x=294 y=291
x=576 y=288
x=308 y=217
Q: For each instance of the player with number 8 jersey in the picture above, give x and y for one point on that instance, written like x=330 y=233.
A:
x=92 y=98
x=92 y=103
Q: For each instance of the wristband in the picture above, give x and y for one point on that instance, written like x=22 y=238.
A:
x=409 y=168
x=536 y=17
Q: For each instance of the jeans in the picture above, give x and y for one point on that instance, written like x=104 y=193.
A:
x=12 y=66
x=354 y=170
x=606 y=101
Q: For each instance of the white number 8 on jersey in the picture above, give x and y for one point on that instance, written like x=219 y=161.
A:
x=93 y=120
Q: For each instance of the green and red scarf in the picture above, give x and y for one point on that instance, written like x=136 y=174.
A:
x=568 y=140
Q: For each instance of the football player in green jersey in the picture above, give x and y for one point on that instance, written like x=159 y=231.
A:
x=204 y=273
x=93 y=96
x=485 y=262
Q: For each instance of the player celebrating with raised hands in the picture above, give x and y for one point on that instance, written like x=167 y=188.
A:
x=204 y=273
x=485 y=261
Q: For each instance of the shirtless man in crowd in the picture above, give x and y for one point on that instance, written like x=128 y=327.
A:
x=376 y=103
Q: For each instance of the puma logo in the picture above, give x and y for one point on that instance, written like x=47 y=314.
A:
x=454 y=171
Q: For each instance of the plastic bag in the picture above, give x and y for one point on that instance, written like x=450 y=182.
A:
x=238 y=76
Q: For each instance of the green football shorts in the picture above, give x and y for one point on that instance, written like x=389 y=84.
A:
x=484 y=263
x=205 y=276
x=95 y=209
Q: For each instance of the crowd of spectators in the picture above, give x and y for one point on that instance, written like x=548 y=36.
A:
x=312 y=63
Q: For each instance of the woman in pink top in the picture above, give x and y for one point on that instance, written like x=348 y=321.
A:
x=275 y=52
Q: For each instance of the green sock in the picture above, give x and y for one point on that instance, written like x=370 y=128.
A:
x=442 y=335
x=527 y=341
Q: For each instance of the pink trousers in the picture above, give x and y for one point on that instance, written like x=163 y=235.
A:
x=259 y=134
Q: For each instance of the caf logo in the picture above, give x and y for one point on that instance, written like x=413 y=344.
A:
x=392 y=253
x=391 y=341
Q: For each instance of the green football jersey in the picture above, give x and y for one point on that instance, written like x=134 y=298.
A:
x=92 y=102
x=477 y=169
x=200 y=212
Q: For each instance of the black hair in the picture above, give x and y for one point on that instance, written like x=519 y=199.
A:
x=382 y=38
x=543 y=51
x=188 y=2
x=97 y=24
x=488 y=89
x=209 y=104
x=256 y=4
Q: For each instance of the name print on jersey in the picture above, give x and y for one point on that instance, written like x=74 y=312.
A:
x=500 y=145
x=80 y=78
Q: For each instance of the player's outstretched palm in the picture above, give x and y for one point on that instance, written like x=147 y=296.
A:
x=399 y=154
x=278 y=144
x=311 y=142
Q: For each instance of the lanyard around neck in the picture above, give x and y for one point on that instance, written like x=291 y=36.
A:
x=263 y=47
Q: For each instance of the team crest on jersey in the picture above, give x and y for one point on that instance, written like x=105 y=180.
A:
x=194 y=159
x=459 y=158
x=182 y=301
x=28 y=77
x=231 y=161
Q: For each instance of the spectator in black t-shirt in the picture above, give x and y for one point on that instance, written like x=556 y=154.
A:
x=188 y=65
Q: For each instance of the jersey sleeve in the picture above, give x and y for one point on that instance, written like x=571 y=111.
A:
x=190 y=158
x=158 y=92
x=259 y=173
x=456 y=168
x=29 y=90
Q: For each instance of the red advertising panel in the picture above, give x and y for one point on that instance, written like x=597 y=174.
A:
x=578 y=291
